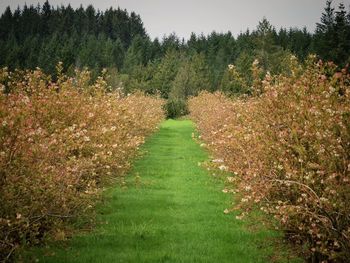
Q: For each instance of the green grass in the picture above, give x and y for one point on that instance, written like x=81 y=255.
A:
x=171 y=210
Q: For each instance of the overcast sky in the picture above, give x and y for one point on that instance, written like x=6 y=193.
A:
x=204 y=16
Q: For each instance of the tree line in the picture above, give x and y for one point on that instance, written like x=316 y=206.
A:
x=42 y=36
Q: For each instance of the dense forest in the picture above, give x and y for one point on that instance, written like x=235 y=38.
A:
x=42 y=36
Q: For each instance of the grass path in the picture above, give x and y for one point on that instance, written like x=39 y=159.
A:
x=171 y=210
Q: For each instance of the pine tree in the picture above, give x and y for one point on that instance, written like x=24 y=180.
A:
x=325 y=34
x=332 y=38
x=138 y=53
x=264 y=43
x=232 y=83
x=6 y=23
x=118 y=54
x=341 y=28
x=192 y=77
x=45 y=19
x=166 y=72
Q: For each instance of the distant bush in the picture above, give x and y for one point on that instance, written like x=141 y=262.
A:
x=290 y=146
x=59 y=141
x=176 y=107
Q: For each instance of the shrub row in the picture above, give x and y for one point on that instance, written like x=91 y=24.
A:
x=59 y=142
x=289 y=146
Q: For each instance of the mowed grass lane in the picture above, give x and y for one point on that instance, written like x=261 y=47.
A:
x=170 y=210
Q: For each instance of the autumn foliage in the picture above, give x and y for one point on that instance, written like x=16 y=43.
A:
x=59 y=142
x=289 y=146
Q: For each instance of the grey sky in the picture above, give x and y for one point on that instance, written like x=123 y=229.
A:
x=204 y=16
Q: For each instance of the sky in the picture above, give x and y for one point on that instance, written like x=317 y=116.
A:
x=163 y=17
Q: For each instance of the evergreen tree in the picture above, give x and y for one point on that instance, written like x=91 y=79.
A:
x=6 y=24
x=45 y=19
x=138 y=53
x=170 y=42
x=140 y=78
x=332 y=38
x=264 y=43
x=232 y=83
x=341 y=27
x=325 y=33
x=243 y=65
x=49 y=55
x=192 y=77
x=118 y=54
x=166 y=72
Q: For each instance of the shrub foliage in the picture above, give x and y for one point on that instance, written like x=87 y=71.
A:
x=59 y=141
x=289 y=146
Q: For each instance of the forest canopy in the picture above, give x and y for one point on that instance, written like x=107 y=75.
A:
x=42 y=36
